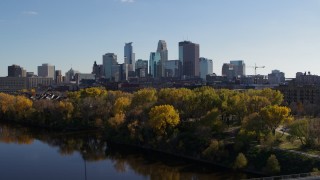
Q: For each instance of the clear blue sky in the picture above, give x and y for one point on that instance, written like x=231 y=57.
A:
x=280 y=34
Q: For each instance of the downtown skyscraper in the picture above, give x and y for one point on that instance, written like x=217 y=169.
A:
x=129 y=56
x=189 y=57
x=163 y=51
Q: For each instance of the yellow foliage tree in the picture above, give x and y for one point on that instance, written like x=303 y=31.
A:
x=275 y=115
x=162 y=118
x=144 y=96
x=121 y=104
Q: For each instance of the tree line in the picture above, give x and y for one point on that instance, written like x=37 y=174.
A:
x=222 y=125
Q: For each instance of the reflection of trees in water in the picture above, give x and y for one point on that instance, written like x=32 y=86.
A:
x=157 y=166
x=91 y=146
x=20 y=136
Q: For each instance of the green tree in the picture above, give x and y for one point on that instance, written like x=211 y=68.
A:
x=272 y=166
x=240 y=162
x=163 y=118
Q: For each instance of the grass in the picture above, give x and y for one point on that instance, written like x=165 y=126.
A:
x=285 y=144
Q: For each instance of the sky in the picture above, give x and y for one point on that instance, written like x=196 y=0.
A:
x=277 y=34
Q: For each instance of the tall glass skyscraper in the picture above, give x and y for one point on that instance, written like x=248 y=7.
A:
x=129 y=56
x=154 y=62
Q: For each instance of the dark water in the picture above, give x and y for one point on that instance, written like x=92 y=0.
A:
x=34 y=154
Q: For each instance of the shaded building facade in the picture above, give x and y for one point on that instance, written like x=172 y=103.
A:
x=46 y=70
x=189 y=58
x=16 y=71
x=108 y=61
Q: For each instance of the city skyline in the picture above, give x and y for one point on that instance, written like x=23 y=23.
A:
x=277 y=34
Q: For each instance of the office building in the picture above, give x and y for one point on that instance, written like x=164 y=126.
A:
x=15 y=84
x=206 y=67
x=30 y=74
x=228 y=71
x=233 y=70
x=172 y=68
x=16 y=71
x=154 y=64
x=58 y=77
x=70 y=76
x=35 y=82
x=189 y=57
x=276 y=77
x=97 y=70
x=46 y=70
x=116 y=76
x=108 y=61
x=129 y=56
x=163 y=51
x=239 y=67
x=141 y=68
x=81 y=77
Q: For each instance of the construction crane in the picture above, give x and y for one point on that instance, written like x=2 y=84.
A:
x=256 y=67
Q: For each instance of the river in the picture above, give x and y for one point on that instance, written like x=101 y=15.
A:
x=27 y=153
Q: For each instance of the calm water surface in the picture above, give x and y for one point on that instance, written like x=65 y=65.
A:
x=32 y=154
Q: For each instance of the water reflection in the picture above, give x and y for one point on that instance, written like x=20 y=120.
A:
x=98 y=157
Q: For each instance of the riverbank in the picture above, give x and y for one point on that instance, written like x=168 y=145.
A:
x=232 y=129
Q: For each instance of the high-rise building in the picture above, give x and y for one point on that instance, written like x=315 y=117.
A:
x=206 y=67
x=142 y=68
x=162 y=49
x=109 y=60
x=129 y=56
x=16 y=71
x=154 y=64
x=97 y=70
x=71 y=76
x=234 y=69
x=189 y=57
x=58 y=78
x=172 y=68
x=46 y=70
x=239 y=67
x=228 y=70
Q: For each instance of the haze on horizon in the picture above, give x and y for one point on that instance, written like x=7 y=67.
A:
x=280 y=35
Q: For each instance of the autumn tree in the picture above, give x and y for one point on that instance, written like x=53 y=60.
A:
x=272 y=166
x=306 y=130
x=211 y=120
x=254 y=126
x=92 y=92
x=163 y=118
x=121 y=105
x=240 y=162
x=275 y=115
x=206 y=98
x=182 y=99
x=144 y=97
